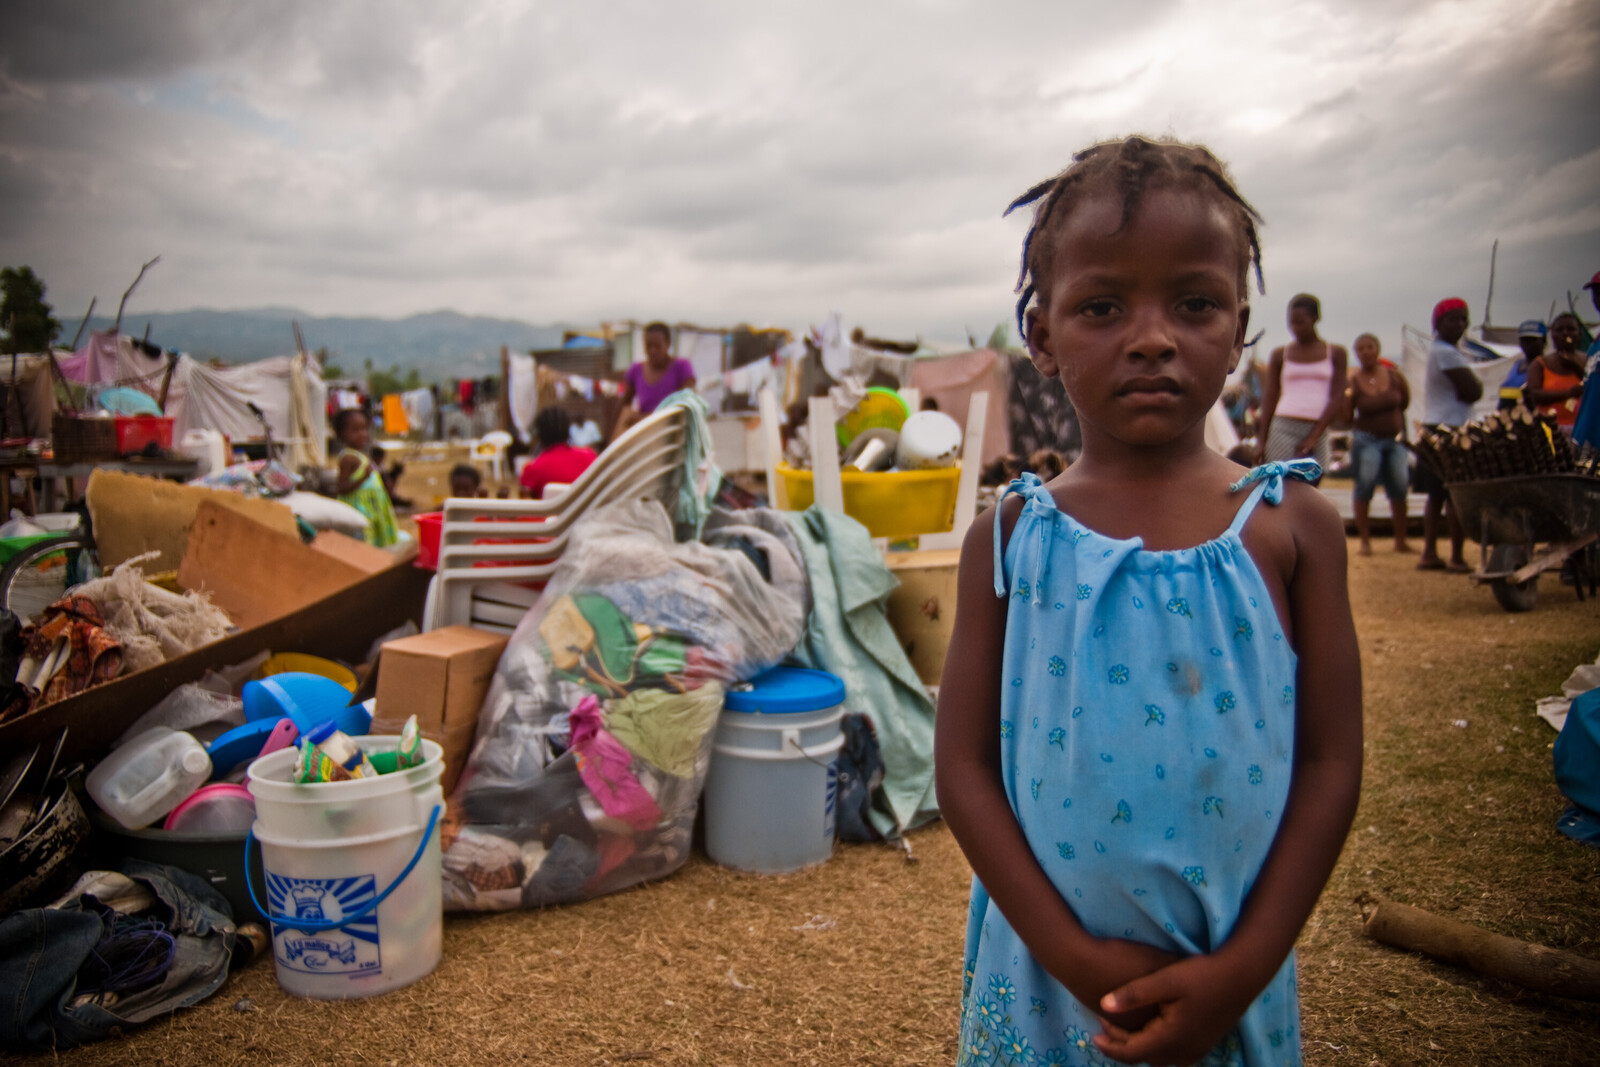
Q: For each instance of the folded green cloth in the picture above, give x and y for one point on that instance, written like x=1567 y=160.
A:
x=849 y=635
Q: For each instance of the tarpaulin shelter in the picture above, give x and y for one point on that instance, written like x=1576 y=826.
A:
x=289 y=390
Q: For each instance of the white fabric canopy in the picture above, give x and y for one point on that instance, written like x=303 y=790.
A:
x=289 y=390
x=290 y=394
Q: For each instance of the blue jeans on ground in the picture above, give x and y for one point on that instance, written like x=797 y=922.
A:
x=1378 y=460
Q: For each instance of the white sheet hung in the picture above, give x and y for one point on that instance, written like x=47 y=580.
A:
x=289 y=390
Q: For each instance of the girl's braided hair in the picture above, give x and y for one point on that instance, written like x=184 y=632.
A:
x=1131 y=167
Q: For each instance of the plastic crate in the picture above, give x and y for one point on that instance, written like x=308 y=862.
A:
x=135 y=432
x=890 y=504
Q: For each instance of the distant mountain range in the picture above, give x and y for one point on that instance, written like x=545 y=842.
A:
x=439 y=344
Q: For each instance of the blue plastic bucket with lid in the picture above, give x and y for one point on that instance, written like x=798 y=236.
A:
x=773 y=781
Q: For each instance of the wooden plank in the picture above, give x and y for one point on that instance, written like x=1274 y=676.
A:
x=1552 y=557
x=341 y=625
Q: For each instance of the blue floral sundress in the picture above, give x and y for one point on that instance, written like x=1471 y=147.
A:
x=1147 y=735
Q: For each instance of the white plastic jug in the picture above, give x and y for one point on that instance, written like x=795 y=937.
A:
x=148 y=775
x=207 y=446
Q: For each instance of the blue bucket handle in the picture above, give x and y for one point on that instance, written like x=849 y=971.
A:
x=312 y=926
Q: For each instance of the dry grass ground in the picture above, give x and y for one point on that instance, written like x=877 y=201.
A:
x=858 y=961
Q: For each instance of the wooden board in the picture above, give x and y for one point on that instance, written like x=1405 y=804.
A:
x=923 y=610
x=256 y=573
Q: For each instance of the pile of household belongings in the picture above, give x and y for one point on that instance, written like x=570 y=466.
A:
x=594 y=740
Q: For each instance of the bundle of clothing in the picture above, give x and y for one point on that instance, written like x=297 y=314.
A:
x=119 y=949
x=103 y=628
x=594 y=739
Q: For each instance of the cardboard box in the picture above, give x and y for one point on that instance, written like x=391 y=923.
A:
x=441 y=677
x=922 y=611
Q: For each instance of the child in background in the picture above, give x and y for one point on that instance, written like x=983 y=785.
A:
x=465 y=481
x=558 y=462
x=390 y=473
x=1150 y=747
x=1047 y=463
x=359 y=483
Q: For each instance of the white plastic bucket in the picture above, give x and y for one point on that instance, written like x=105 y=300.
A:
x=328 y=850
x=771 y=790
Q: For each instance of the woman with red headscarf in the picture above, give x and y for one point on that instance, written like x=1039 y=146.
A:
x=1450 y=389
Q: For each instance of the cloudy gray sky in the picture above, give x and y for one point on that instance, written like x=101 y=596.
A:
x=726 y=162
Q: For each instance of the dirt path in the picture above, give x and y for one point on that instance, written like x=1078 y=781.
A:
x=858 y=961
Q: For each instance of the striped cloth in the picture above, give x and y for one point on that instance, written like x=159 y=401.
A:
x=1285 y=435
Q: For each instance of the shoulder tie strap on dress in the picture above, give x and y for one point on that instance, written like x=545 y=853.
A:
x=1303 y=469
x=1032 y=490
x=1268 y=480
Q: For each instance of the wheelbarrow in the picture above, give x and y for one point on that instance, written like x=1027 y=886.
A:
x=1511 y=517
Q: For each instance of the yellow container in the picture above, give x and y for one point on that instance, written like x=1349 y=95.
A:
x=888 y=503
x=283 y=662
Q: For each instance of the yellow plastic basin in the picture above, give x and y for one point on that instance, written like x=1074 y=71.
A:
x=888 y=503
x=283 y=662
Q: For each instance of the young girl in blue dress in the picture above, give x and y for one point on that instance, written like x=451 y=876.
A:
x=1149 y=746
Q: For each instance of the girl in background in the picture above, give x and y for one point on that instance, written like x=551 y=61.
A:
x=1555 y=379
x=359 y=483
x=1379 y=395
x=1302 y=389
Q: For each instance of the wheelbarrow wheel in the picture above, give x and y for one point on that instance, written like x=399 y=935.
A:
x=1513 y=596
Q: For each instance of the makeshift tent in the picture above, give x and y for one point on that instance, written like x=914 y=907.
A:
x=289 y=390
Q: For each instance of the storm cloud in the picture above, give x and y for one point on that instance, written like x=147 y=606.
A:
x=715 y=163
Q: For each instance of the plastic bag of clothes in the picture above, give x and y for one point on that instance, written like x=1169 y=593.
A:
x=594 y=739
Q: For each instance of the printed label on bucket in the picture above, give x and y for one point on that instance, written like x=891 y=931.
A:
x=351 y=949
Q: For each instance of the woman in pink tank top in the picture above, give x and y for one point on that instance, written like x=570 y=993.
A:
x=1303 y=389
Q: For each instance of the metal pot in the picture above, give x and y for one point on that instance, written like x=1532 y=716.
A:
x=47 y=854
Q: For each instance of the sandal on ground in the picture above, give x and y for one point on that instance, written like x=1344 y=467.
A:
x=1434 y=564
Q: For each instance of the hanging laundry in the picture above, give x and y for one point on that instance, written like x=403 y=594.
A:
x=418 y=404
x=394 y=415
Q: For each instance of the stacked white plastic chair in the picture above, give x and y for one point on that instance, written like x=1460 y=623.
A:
x=641 y=463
